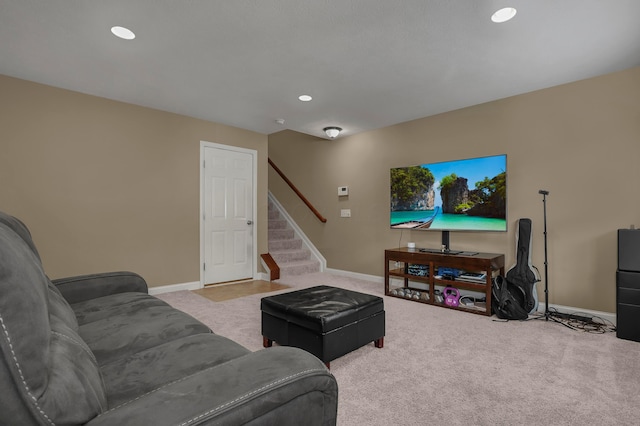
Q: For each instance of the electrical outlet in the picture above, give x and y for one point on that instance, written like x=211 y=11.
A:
x=345 y=213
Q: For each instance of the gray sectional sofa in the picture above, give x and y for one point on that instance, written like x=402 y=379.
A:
x=99 y=350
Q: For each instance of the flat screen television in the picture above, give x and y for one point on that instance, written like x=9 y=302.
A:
x=459 y=195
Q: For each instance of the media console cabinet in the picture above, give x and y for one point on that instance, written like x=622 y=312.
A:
x=418 y=268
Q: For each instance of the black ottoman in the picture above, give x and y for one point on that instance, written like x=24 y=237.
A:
x=326 y=321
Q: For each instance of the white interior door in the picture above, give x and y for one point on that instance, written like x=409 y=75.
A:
x=228 y=214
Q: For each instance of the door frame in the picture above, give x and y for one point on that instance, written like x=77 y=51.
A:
x=254 y=189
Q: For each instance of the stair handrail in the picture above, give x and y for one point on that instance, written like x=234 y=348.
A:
x=298 y=193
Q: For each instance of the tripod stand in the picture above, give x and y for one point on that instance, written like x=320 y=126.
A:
x=547 y=314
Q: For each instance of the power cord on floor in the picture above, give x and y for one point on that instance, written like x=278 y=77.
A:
x=581 y=321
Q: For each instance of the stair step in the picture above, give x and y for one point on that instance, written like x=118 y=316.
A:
x=299 y=267
x=278 y=224
x=279 y=245
x=274 y=214
x=286 y=256
x=280 y=234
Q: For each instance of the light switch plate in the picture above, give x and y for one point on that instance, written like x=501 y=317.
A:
x=345 y=213
x=343 y=190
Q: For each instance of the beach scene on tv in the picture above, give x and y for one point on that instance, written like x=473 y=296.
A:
x=468 y=195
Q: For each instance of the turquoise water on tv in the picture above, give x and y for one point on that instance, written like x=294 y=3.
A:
x=450 y=221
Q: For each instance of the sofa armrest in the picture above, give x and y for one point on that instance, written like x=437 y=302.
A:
x=84 y=287
x=275 y=386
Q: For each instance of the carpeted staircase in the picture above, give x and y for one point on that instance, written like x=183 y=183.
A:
x=287 y=250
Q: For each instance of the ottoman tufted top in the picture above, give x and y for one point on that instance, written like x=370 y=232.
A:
x=322 y=308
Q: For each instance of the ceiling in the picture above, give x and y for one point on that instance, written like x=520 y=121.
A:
x=367 y=63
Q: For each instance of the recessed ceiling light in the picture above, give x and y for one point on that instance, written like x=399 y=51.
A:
x=503 y=15
x=123 y=32
x=305 y=98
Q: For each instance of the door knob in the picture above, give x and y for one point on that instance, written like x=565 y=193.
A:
x=249 y=222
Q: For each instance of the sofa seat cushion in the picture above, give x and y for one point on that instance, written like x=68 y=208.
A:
x=134 y=325
x=113 y=305
x=129 y=377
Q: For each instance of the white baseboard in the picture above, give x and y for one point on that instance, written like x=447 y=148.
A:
x=357 y=275
x=195 y=285
x=606 y=316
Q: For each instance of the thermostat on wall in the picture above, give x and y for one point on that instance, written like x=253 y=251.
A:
x=343 y=190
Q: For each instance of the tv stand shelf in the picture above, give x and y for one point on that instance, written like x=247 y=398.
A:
x=399 y=260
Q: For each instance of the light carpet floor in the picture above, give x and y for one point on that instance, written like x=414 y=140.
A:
x=445 y=367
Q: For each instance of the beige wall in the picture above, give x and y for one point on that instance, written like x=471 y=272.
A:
x=580 y=141
x=105 y=185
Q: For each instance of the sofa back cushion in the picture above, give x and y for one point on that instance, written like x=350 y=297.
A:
x=17 y=226
x=60 y=308
x=48 y=370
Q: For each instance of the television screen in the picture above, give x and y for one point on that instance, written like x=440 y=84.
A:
x=460 y=195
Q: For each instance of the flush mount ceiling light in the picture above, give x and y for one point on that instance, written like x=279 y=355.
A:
x=332 y=131
x=503 y=15
x=305 y=98
x=122 y=32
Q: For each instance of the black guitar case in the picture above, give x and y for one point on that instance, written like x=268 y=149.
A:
x=523 y=276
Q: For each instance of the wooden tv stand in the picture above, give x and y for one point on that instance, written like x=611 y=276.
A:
x=403 y=262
